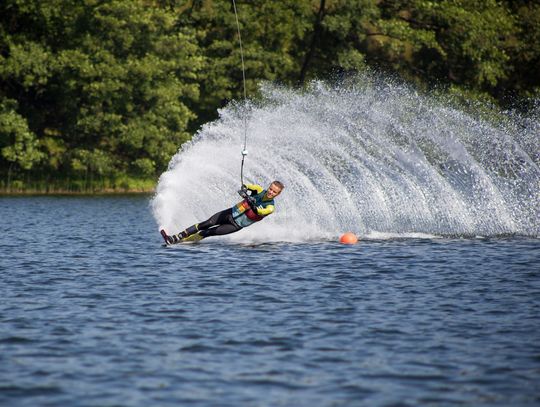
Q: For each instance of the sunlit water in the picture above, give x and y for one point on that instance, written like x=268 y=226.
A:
x=95 y=312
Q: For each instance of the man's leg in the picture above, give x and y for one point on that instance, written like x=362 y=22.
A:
x=220 y=230
x=226 y=225
x=215 y=220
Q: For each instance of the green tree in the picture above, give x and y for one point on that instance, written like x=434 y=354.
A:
x=523 y=47
x=112 y=88
x=271 y=32
x=18 y=145
x=115 y=77
x=472 y=38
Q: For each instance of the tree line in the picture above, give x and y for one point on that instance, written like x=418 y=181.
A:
x=98 y=94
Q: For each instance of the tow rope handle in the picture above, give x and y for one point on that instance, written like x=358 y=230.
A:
x=244 y=154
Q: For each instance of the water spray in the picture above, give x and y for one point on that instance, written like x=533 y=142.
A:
x=376 y=159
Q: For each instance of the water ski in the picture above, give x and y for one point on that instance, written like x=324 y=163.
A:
x=165 y=236
x=169 y=240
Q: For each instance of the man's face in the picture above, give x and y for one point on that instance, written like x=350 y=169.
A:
x=273 y=191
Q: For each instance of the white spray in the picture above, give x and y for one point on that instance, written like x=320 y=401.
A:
x=375 y=159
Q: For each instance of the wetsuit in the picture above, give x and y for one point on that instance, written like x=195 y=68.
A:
x=221 y=223
x=233 y=219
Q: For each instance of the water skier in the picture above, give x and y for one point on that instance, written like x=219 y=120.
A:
x=257 y=204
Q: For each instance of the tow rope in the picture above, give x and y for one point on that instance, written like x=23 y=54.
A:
x=244 y=150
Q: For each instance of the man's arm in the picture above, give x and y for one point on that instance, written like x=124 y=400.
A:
x=255 y=188
x=265 y=211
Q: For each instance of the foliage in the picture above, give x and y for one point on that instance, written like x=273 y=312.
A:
x=18 y=144
x=95 y=90
x=103 y=86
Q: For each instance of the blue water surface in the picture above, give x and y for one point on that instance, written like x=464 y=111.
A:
x=95 y=312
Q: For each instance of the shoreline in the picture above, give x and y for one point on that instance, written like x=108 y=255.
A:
x=61 y=192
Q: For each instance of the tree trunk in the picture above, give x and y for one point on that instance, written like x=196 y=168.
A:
x=317 y=30
x=8 y=186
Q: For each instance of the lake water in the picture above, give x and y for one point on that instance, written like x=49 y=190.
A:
x=95 y=312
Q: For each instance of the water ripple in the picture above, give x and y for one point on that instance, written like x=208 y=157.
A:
x=100 y=320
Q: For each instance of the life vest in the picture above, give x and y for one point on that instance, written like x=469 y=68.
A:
x=250 y=213
x=242 y=213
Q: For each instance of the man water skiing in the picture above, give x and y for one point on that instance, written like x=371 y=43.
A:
x=257 y=204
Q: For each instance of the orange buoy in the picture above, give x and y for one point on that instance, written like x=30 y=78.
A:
x=348 y=238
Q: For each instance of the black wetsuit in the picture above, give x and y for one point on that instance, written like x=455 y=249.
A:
x=233 y=219
x=221 y=223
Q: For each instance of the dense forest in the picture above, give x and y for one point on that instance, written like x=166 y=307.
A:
x=99 y=94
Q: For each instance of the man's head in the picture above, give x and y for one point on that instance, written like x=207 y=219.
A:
x=274 y=189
